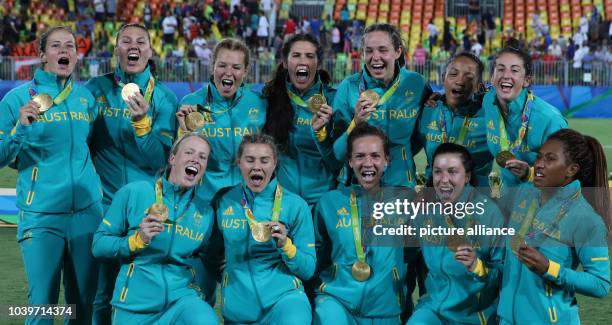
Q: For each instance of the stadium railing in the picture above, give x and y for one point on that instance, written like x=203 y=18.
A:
x=561 y=73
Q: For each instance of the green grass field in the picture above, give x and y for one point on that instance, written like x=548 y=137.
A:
x=13 y=286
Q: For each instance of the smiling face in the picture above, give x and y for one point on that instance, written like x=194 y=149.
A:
x=189 y=163
x=257 y=164
x=302 y=63
x=552 y=169
x=59 y=55
x=449 y=176
x=229 y=70
x=368 y=161
x=509 y=77
x=133 y=50
x=461 y=81
x=379 y=55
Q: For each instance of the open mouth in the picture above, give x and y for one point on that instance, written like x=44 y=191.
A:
x=257 y=179
x=301 y=74
x=132 y=57
x=191 y=171
x=64 y=61
x=368 y=175
x=457 y=92
x=227 y=84
x=378 y=67
x=506 y=86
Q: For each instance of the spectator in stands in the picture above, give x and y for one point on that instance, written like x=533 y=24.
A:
x=584 y=25
x=290 y=27
x=305 y=25
x=132 y=138
x=263 y=30
x=447 y=37
x=476 y=48
x=555 y=50
x=100 y=9
x=266 y=7
x=511 y=98
x=473 y=11
x=419 y=57
x=579 y=38
x=169 y=25
x=188 y=21
x=467 y=41
x=148 y=16
x=139 y=230
x=292 y=117
x=111 y=9
x=336 y=39
x=580 y=53
x=315 y=28
x=432 y=31
x=229 y=111
x=58 y=191
x=537 y=24
x=490 y=32
x=571 y=50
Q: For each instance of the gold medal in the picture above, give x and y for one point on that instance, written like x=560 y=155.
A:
x=45 y=101
x=159 y=209
x=372 y=96
x=516 y=242
x=503 y=157
x=454 y=241
x=129 y=90
x=260 y=232
x=361 y=271
x=194 y=121
x=315 y=102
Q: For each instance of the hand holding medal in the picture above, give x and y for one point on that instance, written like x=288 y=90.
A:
x=137 y=104
x=29 y=112
x=366 y=104
x=278 y=233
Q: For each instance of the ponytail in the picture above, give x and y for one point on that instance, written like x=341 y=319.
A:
x=279 y=120
x=597 y=178
x=588 y=154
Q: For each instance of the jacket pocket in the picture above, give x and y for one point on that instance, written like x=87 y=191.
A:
x=31 y=192
x=128 y=275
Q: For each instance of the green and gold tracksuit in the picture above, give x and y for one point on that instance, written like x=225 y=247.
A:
x=396 y=115
x=302 y=169
x=529 y=122
x=261 y=283
x=341 y=299
x=465 y=127
x=155 y=284
x=454 y=294
x=58 y=191
x=125 y=151
x=226 y=122
x=569 y=233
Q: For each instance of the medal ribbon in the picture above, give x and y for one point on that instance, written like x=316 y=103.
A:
x=387 y=95
x=462 y=131
x=278 y=196
x=159 y=191
x=528 y=221
x=60 y=97
x=297 y=100
x=356 y=228
x=503 y=134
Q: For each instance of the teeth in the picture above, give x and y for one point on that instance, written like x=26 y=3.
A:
x=539 y=174
x=378 y=66
x=506 y=84
x=191 y=170
x=133 y=56
x=227 y=82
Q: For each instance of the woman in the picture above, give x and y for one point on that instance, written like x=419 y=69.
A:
x=346 y=295
x=384 y=94
x=457 y=117
x=132 y=135
x=297 y=95
x=462 y=282
x=518 y=122
x=228 y=110
x=269 y=242
x=44 y=127
x=155 y=229
x=562 y=220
